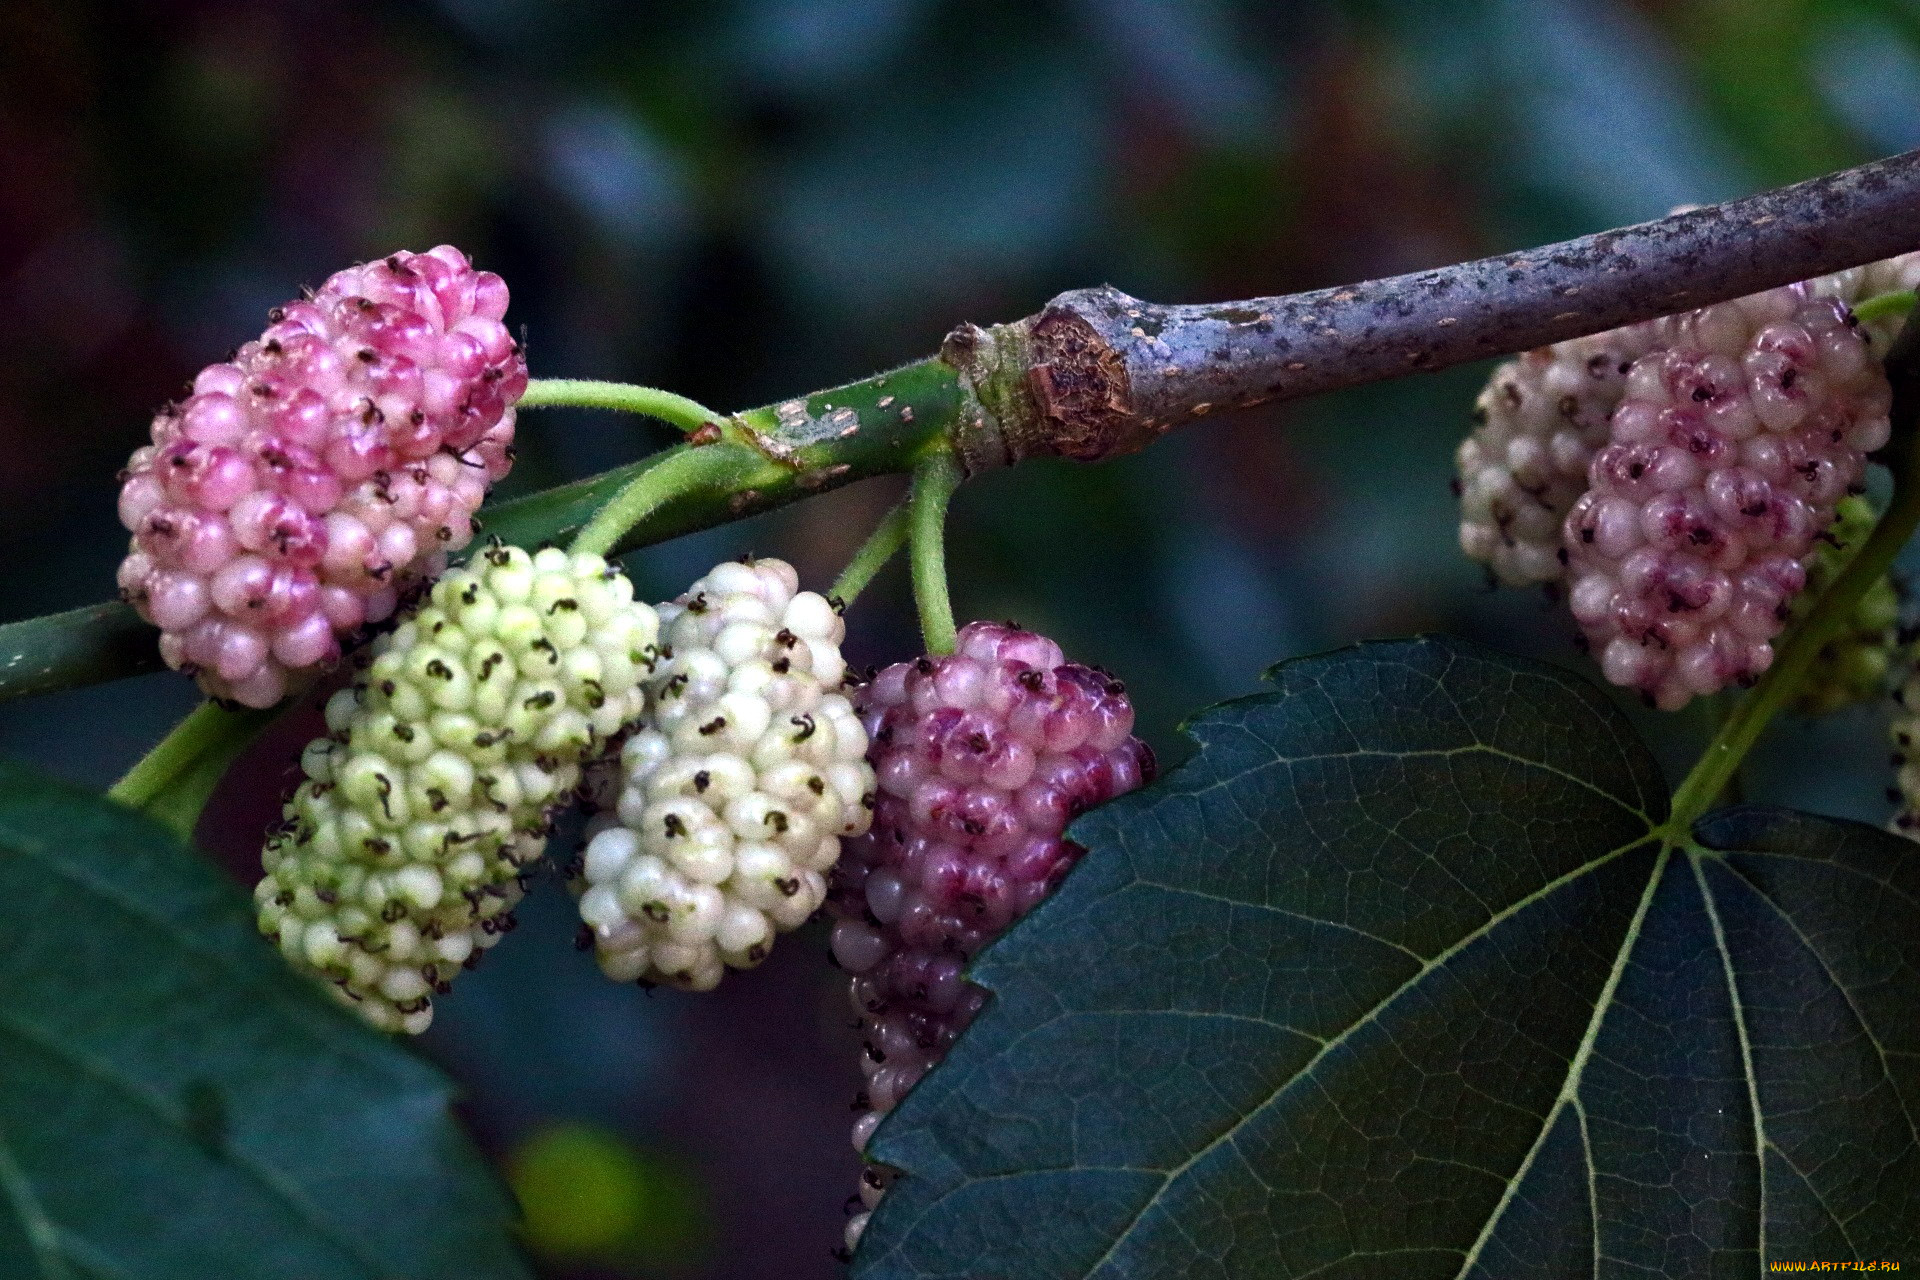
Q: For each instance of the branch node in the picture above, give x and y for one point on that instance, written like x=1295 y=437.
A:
x=994 y=407
x=1081 y=390
x=1052 y=385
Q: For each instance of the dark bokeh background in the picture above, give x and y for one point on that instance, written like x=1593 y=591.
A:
x=750 y=199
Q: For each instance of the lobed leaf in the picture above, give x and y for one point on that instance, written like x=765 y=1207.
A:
x=176 y=1102
x=1401 y=976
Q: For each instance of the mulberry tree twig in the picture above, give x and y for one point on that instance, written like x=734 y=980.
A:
x=1098 y=373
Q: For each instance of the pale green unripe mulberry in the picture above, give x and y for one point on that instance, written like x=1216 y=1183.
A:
x=731 y=802
x=400 y=856
x=1904 y=730
x=1854 y=665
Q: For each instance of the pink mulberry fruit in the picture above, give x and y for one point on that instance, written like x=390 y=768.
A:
x=333 y=461
x=981 y=758
x=1733 y=442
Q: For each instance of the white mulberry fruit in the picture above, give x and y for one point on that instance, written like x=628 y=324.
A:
x=303 y=482
x=401 y=855
x=1540 y=419
x=735 y=796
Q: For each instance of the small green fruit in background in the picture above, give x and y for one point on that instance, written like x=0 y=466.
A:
x=588 y=1195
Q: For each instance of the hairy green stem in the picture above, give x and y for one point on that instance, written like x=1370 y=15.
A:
x=934 y=480
x=682 y=472
x=1885 y=304
x=172 y=782
x=585 y=393
x=1716 y=768
x=886 y=539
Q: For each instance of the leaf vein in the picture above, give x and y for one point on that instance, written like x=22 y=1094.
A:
x=1434 y=753
x=1839 y=1223
x=1369 y=1017
x=1576 y=1069
x=1270 y=909
x=41 y=1233
x=1866 y=1029
x=1593 y=1182
x=1760 y=1142
x=1888 y=885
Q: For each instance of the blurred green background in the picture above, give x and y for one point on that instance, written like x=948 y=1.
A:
x=749 y=199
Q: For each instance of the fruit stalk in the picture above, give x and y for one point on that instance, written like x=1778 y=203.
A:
x=586 y=393
x=934 y=481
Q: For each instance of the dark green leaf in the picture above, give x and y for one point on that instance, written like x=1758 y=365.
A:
x=1396 y=979
x=176 y=1102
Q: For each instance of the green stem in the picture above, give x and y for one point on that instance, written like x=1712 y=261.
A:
x=172 y=782
x=681 y=472
x=934 y=479
x=585 y=393
x=1881 y=305
x=887 y=538
x=1737 y=734
x=805 y=446
x=80 y=647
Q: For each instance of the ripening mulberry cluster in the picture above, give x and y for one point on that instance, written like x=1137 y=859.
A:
x=1727 y=454
x=982 y=757
x=734 y=797
x=1544 y=414
x=1674 y=475
x=328 y=463
x=400 y=856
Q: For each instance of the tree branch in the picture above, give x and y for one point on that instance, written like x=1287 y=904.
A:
x=1098 y=373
